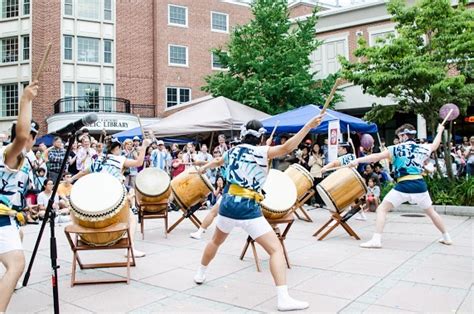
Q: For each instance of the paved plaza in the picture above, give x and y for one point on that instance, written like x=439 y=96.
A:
x=412 y=273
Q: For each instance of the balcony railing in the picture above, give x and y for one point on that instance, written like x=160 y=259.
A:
x=102 y=104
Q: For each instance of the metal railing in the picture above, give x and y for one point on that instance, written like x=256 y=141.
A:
x=102 y=104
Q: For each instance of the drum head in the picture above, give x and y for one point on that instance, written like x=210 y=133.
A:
x=152 y=181
x=96 y=193
x=280 y=191
x=330 y=204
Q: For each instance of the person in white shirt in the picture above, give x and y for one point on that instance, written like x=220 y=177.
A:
x=160 y=157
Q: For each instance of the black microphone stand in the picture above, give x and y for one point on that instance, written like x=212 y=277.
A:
x=50 y=215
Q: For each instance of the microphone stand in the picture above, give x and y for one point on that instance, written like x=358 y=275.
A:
x=50 y=215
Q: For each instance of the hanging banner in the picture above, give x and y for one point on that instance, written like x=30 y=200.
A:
x=333 y=136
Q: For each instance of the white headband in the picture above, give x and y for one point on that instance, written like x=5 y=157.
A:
x=406 y=131
x=244 y=132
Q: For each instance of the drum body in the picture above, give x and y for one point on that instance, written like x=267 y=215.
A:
x=341 y=188
x=301 y=177
x=189 y=188
x=99 y=200
x=280 y=195
x=152 y=189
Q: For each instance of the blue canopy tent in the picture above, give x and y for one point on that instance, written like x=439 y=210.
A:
x=121 y=136
x=292 y=121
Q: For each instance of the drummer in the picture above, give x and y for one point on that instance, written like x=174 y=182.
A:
x=345 y=156
x=246 y=168
x=115 y=163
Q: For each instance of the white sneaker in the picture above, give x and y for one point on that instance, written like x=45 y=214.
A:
x=137 y=253
x=19 y=285
x=195 y=235
x=199 y=278
x=371 y=245
x=445 y=242
x=363 y=218
x=292 y=305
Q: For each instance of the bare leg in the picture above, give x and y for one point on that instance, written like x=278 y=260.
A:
x=438 y=222
x=206 y=222
x=14 y=263
x=269 y=241
x=382 y=211
x=133 y=229
x=209 y=253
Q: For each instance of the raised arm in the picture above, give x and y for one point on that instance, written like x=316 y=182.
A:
x=370 y=158
x=437 y=139
x=23 y=126
x=292 y=143
x=141 y=156
x=212 y=164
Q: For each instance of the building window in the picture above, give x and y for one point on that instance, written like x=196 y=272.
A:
x=88 y=9
x=68 y=7
x=177 y=15
x=90 y=96
x=68 y=105
x=9 y=49
x=107 y=51
x=108 y=10
x=324 y=60
x=68 y=47
x=178 y=55
x=216 y=63
x=26 y=48
x=176 y=96
x=108 y=103
x=26 y=7
x=379 y=38
x=219 y=22
x=9 y=8
x=9 y=100
x=88 y=49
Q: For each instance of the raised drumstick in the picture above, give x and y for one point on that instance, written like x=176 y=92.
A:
x=447 y=116
x=141 y=126
x=331 y=95
x=43 y=62
x=274 y=128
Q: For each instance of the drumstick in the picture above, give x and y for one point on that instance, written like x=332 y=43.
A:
x=43 y=62
x=141 y=126
x=447 y=117
x=331 y=95
x=274 y=128
x=337 y=168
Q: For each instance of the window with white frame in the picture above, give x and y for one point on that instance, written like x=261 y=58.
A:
x=26 y=7
x=90 y=96
x=219 y=22
x=88 y=49
x=88 y=9
x=26 y=47
x=68 y=8
x=68 y=48
x=107 y=51
x=177 y=15
x=9 y=49
x=379 y=38
x=9 y=8
x=108 y=10
x=177 y=95
x=324 y=60
x=178 y=55
x=9 y=100
x=68 y=105
x=216 y=63
x=109 y=92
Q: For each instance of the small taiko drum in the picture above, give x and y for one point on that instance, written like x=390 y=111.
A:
x=301 y=177
x=280 y=195
x=190 y=188
x=152 y=189
x=99 y=200
x=341 y=188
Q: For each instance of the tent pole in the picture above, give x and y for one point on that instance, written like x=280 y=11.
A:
x=210 y=142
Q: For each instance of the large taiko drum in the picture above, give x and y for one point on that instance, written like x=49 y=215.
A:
x=99 y=200
x=341 y=188
x=190 y=188
x=301 y=177
x=280 y=195
x=152 y=189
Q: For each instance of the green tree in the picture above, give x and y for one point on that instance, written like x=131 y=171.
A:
x=267 y=61
x=426 y=65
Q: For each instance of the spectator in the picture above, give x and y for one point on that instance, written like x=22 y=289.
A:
x=147 y=160
x=370 y=174
x=84 y=154
x=73 y=160
x=189 y=156
x=215 y=172
x=382 y=174
x=222 y=144
x=136 y=142
x=372 y=197
x=177 y=165
x=56 y=155
x=469 y=156
x=43 y=199
x=316 y=163
x=160 y=157
x=303 y=157
x=325 y=150
x=465 y=143
x=130 y=153
x=218 y=191
x=283 y=162
x=174 y=150
x=64 y=191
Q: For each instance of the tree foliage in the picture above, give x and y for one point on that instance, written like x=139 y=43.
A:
x=267 y=62
x=427 y=64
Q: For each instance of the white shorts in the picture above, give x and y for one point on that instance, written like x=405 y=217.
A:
x=423 y=200
x=10 y=238
x=255 y=227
